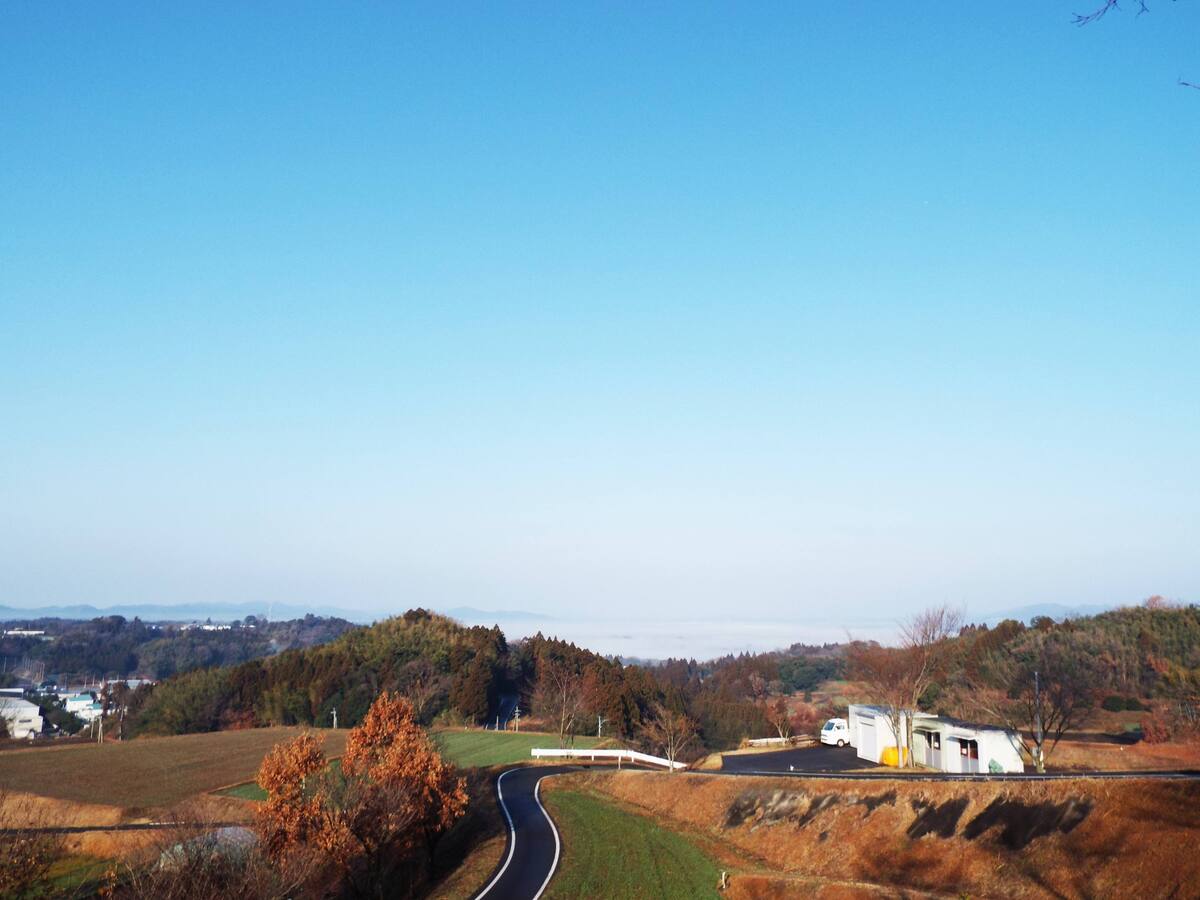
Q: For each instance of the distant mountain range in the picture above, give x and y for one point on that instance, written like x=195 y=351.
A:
x=228 y=612
x=182 y=612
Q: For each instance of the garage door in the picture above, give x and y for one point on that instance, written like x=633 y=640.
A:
x=866 y=740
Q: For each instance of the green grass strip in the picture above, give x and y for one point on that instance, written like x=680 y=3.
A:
x=608 y=852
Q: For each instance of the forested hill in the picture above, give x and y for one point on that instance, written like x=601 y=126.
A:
x=1135 y=646
x=116 y=646
x=452 y=674
x=458 y=674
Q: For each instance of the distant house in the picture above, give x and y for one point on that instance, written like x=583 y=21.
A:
x=939 y=742
x=131 y=683
x=85 y=706
x=22 y=719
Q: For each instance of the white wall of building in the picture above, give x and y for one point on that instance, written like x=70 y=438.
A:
x=21 y=718
x=943 y=744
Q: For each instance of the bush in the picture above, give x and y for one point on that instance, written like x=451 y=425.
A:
x=1156 y=729
x=1117 y=703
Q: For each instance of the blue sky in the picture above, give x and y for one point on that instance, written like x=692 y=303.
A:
x=803 y=310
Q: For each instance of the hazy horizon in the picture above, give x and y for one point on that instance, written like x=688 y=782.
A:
x=685 y=314
x=641 y=636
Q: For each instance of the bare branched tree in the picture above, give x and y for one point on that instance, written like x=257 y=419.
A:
x=559 y=696
x=779 y=718
x=669 y=732
x=1040 y=686
x=1108 y=6
x=1104 y=9
x=896 y=678
x=926 y=639
x=884 y=673
x=421 y=686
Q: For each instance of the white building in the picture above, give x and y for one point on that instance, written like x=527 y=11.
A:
x=939 y=742
x=22 y=719
x=85 y=706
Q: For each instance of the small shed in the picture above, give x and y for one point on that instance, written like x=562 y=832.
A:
x=951 y=745
x=871 y=729
x=938 y=742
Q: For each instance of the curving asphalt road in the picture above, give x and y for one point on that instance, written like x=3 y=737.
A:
x=533 y=844
x=534 y=847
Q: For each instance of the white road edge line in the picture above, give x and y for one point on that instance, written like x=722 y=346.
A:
x=512 y=836
x=554 y=831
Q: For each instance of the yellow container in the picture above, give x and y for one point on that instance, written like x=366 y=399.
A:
x=891 y=757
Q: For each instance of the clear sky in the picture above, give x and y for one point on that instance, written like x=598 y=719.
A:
x=796 y=310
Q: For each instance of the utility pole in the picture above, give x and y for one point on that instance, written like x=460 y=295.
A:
x=600 y=720
x=103 y=710
x=517 y=718
x=1037 y=715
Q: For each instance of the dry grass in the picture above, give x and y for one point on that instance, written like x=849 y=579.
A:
x=1083 y=755
x=777 y=887
x=148 y=773
x=467 y=854
x=1096 y=838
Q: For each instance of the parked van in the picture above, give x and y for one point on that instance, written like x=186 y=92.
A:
x=836 y=732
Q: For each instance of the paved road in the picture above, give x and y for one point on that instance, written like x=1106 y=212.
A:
x=808 y=759
x=836 y=763
x=533 y=844
x=533 y=847
x=505 y=707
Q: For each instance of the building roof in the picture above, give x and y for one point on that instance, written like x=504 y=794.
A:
x=15 y=703
x=952 y=722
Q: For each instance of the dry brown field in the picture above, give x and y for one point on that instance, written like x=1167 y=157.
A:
x=147 y=773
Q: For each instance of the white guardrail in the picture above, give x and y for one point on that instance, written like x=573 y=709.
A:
x=630 y=755
x=801 y=740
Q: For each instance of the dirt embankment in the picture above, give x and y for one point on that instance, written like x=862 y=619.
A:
x=1072 y=839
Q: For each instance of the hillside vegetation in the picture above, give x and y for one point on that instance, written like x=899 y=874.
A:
x=452 y=674
x=113 y=645
x=1135 y=658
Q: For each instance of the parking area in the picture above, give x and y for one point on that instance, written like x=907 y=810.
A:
x=805 y=759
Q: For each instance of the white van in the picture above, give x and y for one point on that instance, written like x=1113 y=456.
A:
x=836 y=732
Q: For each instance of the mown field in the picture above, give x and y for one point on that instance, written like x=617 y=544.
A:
x=466 y=749
x=496 y=748
x=608 y=852
x=148 y=772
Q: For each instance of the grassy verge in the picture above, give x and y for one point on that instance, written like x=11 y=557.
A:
x=78 y=875
x=496 y=748
x=608 y=852
x=467 y=854
x=249 y=790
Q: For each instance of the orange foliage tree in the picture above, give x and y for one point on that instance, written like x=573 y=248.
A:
x=381 y=814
